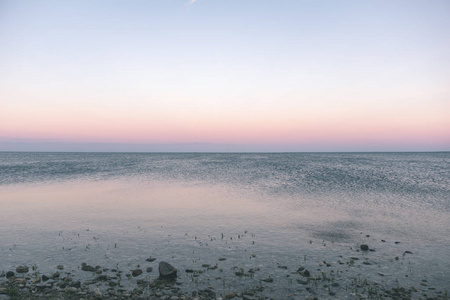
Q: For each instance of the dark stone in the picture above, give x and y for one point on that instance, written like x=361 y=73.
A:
x=149 y=269
x=63 y=285
x=9 y=274
x=335 y=284
x=408 y=252
x=397 y=242
x=76 y=284
x=55 y=275
x=150 y=259
x=300 y=269
x=302 y=281
x=207 y=293
x=364 y=247
x=45 y=278
x=166 y=270
x=87 y=268
x=306 y=273
x=383 y=241
x=283 y=267
x=112 y=284
x=189 y=271
x=102 y=278
x=136 y=272
x=22 y=269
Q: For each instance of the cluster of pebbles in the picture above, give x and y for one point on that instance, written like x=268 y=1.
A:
x=103 y=283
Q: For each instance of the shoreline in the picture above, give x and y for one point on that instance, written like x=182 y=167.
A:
x=320 y=280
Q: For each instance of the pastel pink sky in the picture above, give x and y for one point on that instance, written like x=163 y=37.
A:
x=165 y=73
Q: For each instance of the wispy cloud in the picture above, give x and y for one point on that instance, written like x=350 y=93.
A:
x=191 y=2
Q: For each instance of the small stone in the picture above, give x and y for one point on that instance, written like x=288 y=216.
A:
x=150 y=259
x=9 y=274
x=335 y=284
x=300 y=269
x=268 y=279
x=55 y=275
x=364 y=247
x=381 y=274
x=206 y=265
x=136 y=272
x=166 y=270
x=222 y=259
x=60 y=267
x=408 y=252
x=76 y=284
x=36 y=280
x=71 y=290
x=383 y=241
x=87 y=268
x=22 y=269
x=45 y=278
x=98 y=293
x=397 y=242
x=230 y=295
x=149 y=269
x=302 y=281
x=306 y=273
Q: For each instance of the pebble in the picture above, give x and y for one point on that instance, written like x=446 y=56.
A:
x=364 y=247
x=22 y=269
x=136 y=272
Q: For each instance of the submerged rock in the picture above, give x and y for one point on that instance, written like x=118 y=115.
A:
x=150 y=259
x=22 y=269
x=87 y=268
x=136 y=272
x=9 y=274
x=166 y=270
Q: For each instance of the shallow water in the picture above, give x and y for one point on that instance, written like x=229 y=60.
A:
x=256 y=210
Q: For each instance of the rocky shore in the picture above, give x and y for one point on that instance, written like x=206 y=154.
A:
x=160 y=280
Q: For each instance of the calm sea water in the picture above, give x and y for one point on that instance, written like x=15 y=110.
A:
x=289 y=209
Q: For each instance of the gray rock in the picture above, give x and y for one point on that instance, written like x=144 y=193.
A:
x=45 y=278
x=166 y=270
x=60 y=267
x=150 y=259
x=149 y=269
x=71 y=290
x=22 y=269
x=9 y=274
x=267 y=279
x=136 y=272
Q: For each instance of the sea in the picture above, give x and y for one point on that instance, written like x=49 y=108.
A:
x=260 y=215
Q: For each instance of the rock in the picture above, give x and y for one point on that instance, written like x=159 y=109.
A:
x=300 y=269
x=189 y=271
x=9 y=274
x=136 y=272
x=36 y=280
x=166 y=270
x=222 y=259
x=55 y=275
x=230 y=295
x=22 y=269
x=149 y=269
x=87 y=268
x=45 y=278
x=267 y=279
x=98 y=293
x=364 y=247
x=76 y=284
x=60 y=267
x=408 y=252
x=150 y=259
x=306 y=273
x=71 y=290
x=302 y=281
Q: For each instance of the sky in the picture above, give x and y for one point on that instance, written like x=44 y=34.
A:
x=234 y=75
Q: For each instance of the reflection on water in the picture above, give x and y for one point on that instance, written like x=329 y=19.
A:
x=277 y=208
